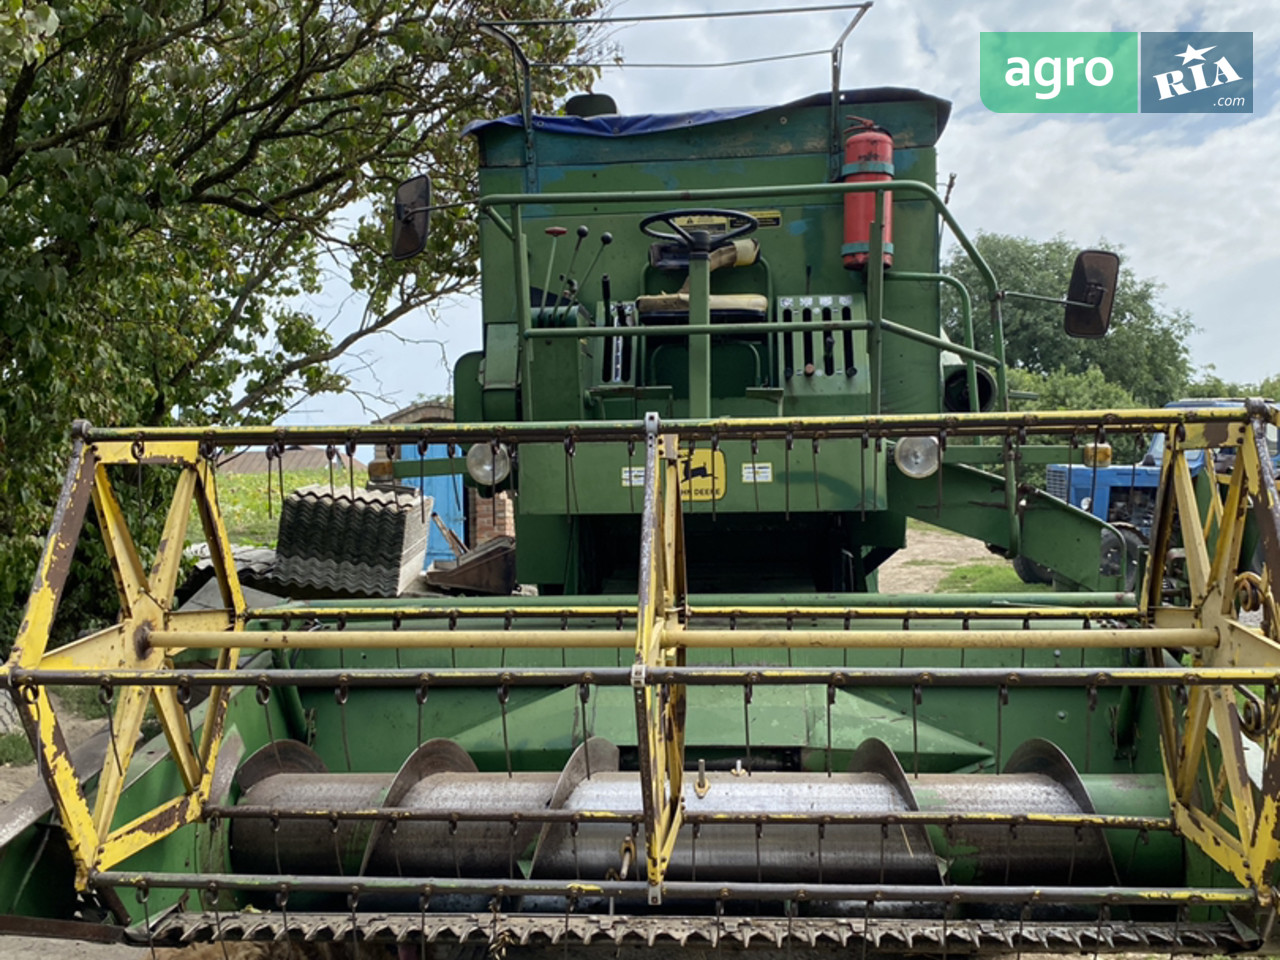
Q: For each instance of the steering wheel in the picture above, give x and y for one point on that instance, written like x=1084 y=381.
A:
x=681 y=235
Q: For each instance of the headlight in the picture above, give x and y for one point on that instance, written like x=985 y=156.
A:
x=917 y=457
x=488 y=464
x=1097 y=455
x=382 y=470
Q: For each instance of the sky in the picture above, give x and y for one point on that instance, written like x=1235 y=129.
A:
x=1192 y=198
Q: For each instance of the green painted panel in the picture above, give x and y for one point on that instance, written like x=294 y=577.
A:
x=603 y=479
x=973 y=503
x=549 y=561
x=555 y=371
x=468 y=398
x=501 y=355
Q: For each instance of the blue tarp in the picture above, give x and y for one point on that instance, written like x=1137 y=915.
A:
x=618 y=125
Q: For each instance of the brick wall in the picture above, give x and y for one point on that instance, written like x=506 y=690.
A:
x=483 y=525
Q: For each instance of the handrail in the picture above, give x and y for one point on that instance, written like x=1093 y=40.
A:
x=754 y=193
x=966 y=315
x=1060 y=422
x=519 y=200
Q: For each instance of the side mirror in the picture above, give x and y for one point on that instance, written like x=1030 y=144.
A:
x=1092 y=290
x=411 y=219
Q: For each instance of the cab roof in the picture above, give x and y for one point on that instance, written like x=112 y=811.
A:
x=631 y=125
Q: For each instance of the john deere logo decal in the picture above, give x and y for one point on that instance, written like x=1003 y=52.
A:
x=702 y=475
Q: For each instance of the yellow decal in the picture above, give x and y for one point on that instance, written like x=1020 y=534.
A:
x=767 y=218
x=710 y=223
x=718 y=224
x=702 y=475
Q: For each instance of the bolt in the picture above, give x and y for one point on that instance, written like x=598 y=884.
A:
x=142 y=640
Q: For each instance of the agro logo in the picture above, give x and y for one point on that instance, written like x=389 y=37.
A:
x=1197 y=72
x=1058 y=72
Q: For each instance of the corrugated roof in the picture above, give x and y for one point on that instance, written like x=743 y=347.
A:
x=423 y=411
x=294 y=458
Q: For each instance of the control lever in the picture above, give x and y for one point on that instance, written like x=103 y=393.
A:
x=606 y=238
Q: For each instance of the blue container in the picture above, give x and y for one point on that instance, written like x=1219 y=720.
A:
x=448 y=494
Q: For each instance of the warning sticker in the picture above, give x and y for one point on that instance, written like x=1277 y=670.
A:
x=702 y=475
x=757 y=473
x=767 y=218
x=703 y=222
x=633 y=476
x=720 y=224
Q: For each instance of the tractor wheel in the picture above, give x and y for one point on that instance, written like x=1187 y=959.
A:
x=1134 y=543
x=1030 y=572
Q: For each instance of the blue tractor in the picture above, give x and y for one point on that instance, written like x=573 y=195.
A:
x=1124 y=495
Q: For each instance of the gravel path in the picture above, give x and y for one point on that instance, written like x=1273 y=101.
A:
x=930 y=555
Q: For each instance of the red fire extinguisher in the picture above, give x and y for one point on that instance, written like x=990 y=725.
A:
x=868 y=158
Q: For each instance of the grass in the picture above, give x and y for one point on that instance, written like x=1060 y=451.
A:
x=242 y=498
x=983 y=578
x=82 y=701
x=914 y=524
x=15 y=749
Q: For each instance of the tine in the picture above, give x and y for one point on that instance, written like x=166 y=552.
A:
x=217 y=921
x=340 y=694
x=584 y=694
x=942 y=450
x=917 y=696
x=422 y=479
x=755 y=475
x=817 y=499
x=862 y=477
x=875 y=471
x=715 y=447
x=631 y=489
x=504 y=694
x=831 y=697
x=421 y=695
x=790 y=443
x=1002 y=698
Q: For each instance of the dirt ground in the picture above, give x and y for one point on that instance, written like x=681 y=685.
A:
x=929 y=556
x=15 y=779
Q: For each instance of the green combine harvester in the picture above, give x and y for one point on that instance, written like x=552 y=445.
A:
x=715 y=381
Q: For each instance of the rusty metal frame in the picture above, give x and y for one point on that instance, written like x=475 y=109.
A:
x=682 y=889
x=134 y=644
x=1214 y=801
x=660 y=710
x=409 y=678
x=1235 y=820
x=886 y=427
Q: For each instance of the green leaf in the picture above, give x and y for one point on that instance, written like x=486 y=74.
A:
x=161 y=260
